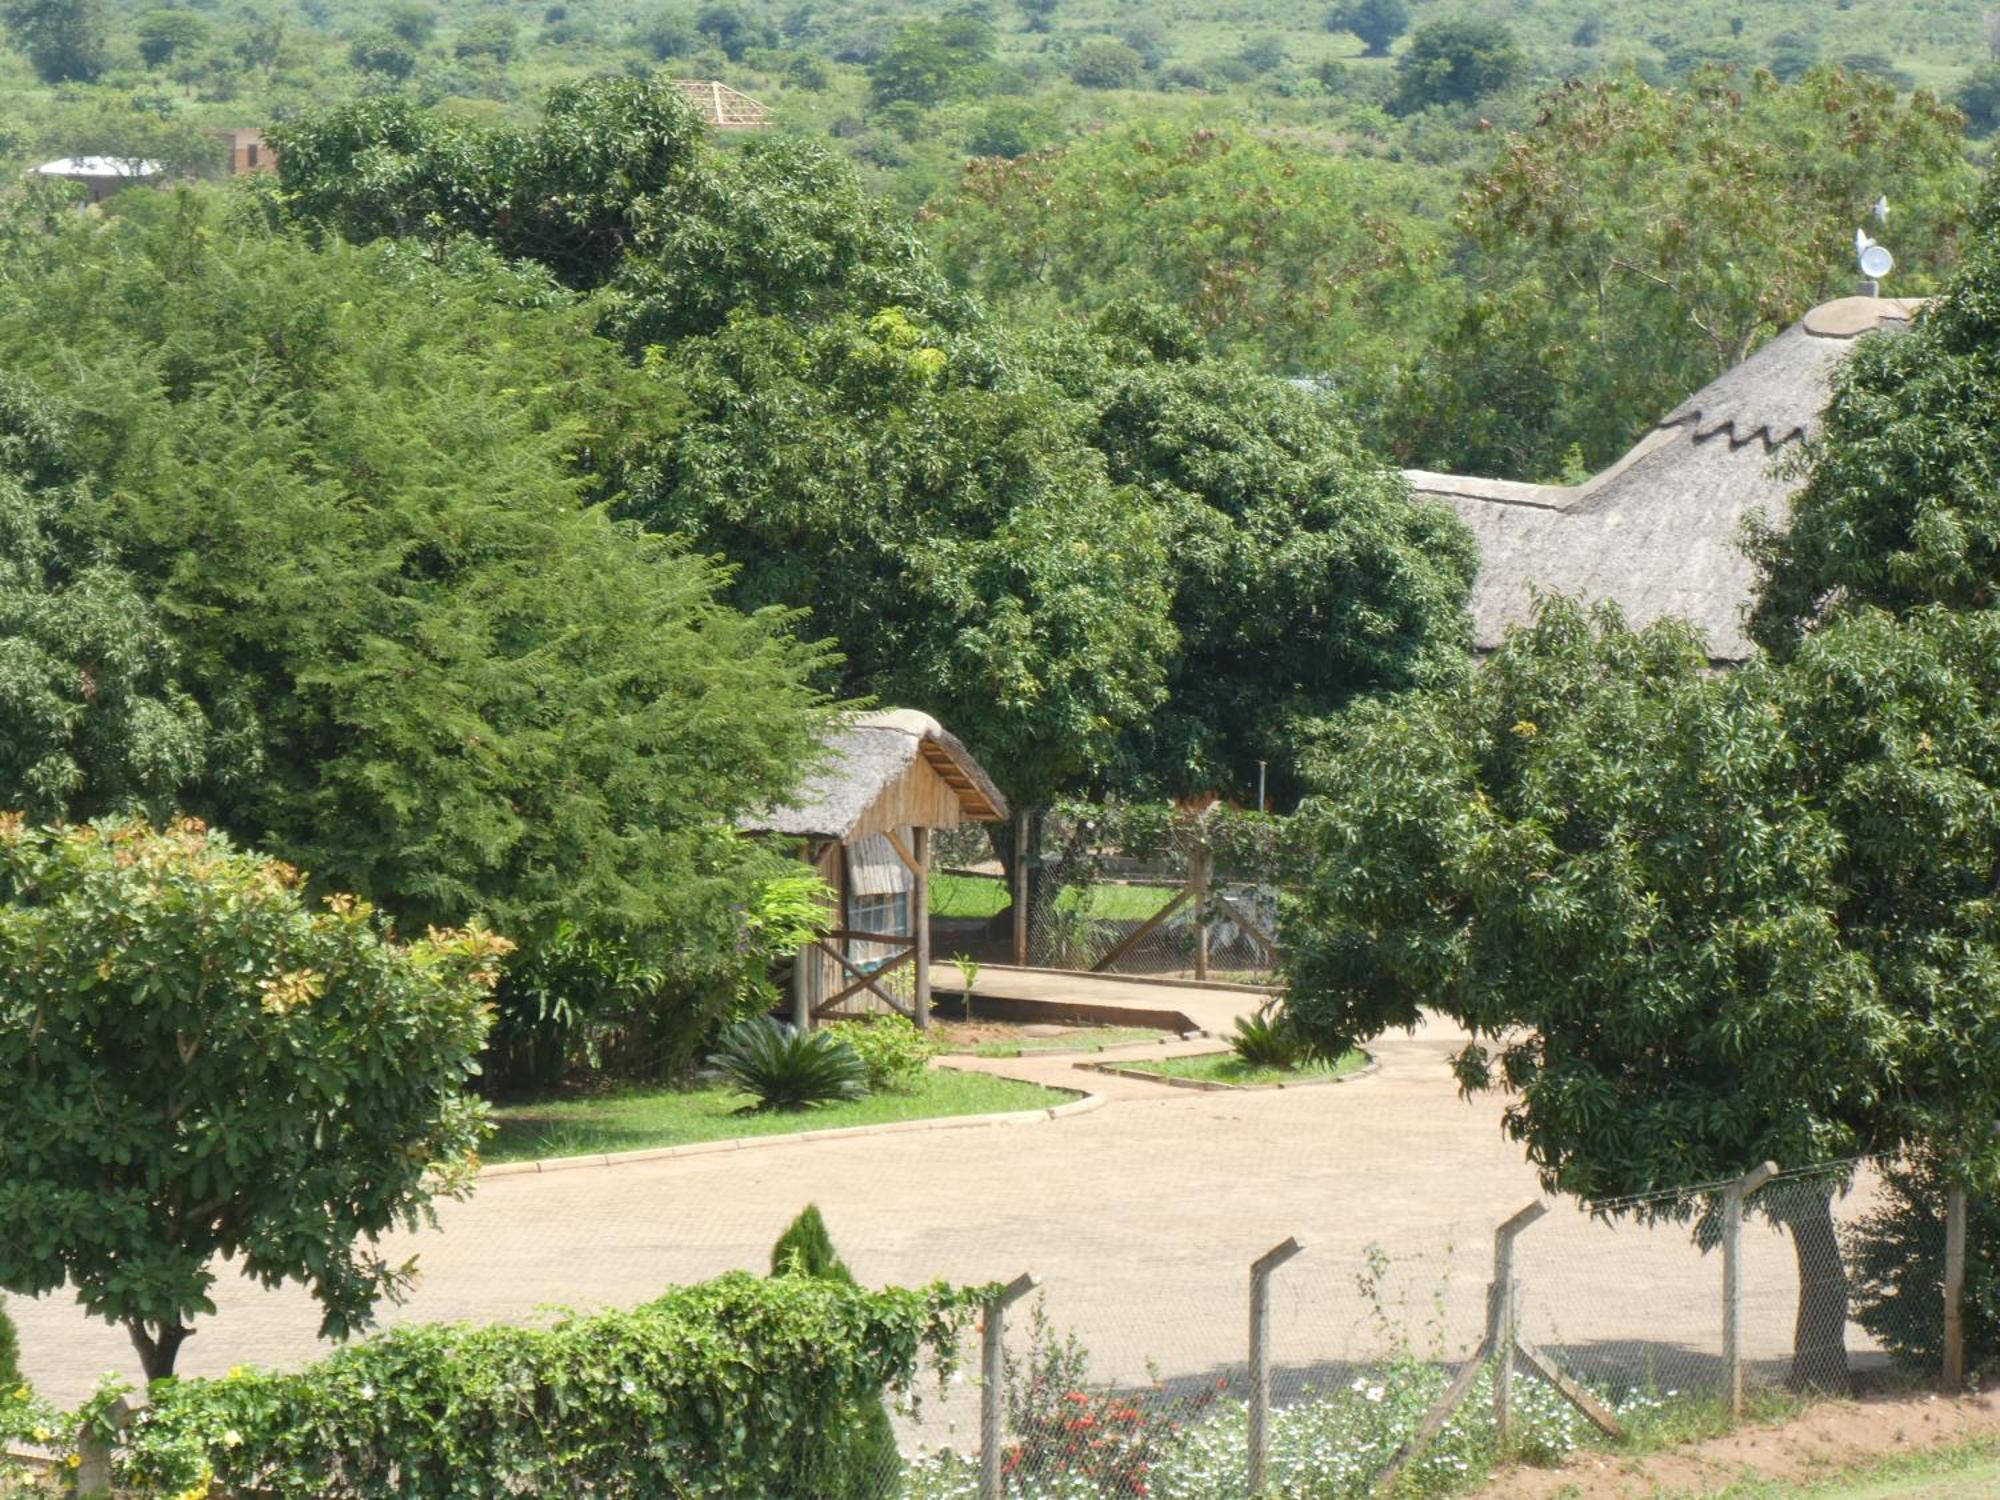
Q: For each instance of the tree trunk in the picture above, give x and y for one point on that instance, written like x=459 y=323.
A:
x=1819 y=1337
x=158 y=1352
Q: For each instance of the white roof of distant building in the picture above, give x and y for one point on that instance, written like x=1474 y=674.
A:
x=101 y=166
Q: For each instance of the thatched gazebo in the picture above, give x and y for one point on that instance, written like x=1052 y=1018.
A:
x=864 y=822
x=1660 y=531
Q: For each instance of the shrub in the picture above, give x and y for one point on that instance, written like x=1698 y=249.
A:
x=866 y=1464
x=10 y=1352
x=1268 y=1039
x=893 y=1052
x=1897 y=1257
x=734 y=1387
x=787 y=1069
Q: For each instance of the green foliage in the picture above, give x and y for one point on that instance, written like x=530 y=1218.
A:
x=10 y=1355
x=928 y=62
x=867 y=1461
x=1374 y=23
x=1457 y=62
x=492 y=39
x=64 y=40
x=166 y=34
x=201 y=1065
x=1896 y=511
x=806 y=1249
x=1300 y=260
x=893 y=1052
x=932 y=507
x=733 y=1387
x=788 y=1069
x=1304 y=574
x=434 y=675
x=1639 y=241
x=1267 y=1038
x=384 y=52
x=1978 y=97
x=1896 y=1255
x=1105 y=64
x=1693 y=923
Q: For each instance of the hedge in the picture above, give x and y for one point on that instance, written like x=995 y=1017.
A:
x=734 y=1387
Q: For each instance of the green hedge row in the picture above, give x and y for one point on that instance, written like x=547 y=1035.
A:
x=735 y=1387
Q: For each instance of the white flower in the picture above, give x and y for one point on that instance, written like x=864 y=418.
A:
x=232 y=1438
x=1375 y=1393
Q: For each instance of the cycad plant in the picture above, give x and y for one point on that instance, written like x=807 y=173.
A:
x=788 y=1069
x=1268 y=1039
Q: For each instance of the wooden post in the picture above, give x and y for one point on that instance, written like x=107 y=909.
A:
x=920 y=910
x=1501 y=1318
x=1733 y=1197
x=993 y=1385
x=1260 y=1357
x=1020 y=887
x=1201 y=873
x=1952 y=1381
x=802 y=1009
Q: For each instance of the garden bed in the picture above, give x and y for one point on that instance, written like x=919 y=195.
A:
x=1225 y=1070
x=636 y=1119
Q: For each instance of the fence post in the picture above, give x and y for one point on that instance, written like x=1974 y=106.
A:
x=1201 y=874
x=1020 y=893
x=1952 y=1381
x=993 y=1384
x=1500 y=1319
x=920 y=911
x=93 y=1450
x=1733 y=1198
x=1260 y=1356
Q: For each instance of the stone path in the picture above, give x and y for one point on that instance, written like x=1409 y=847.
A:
x=1139 y=1217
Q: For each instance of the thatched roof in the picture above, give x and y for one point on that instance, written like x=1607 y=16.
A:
x=1659 y=532
x=869 y=757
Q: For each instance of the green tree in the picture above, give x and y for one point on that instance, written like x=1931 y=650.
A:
x=1896 y=511
x=1102 y=63
x=1303 y=573
x=201 y=1065
x=928 y=62
x=436 y=676
x=937 y=516
x=1692 y=923
x=1978 y=97
x=727 y=27
x=411 y=20
x=384 y=52
x=1374 y=23
x=165 y=34
x=62 y=39
x=1457 y=62
x=1636 y=242
x=492 y=39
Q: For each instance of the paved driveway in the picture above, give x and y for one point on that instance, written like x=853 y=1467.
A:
x=1140 y=1218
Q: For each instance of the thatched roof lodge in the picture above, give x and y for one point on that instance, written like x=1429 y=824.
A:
x=1659 y=532
x=864 y=822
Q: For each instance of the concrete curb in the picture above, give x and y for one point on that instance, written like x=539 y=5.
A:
x=1159 y=981
x=1024 y=1054
x=1216 y=1086
x=1081 y=1105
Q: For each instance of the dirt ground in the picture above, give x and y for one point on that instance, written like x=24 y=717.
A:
x=1822 y=1442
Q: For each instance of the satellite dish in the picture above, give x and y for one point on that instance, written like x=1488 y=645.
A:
x=1876 y=262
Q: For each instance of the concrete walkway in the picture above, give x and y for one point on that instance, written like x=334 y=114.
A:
x=1140 y=1218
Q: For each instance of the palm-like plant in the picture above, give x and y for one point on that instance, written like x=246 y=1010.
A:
x=788 y=1069
x=1268 y=1039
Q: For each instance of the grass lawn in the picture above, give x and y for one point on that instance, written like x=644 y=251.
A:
x=986 y=896
x=1227 y=1067
x=1954 y=1473
x=634 y=1119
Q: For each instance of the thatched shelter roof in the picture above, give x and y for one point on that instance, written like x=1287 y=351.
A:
x=722 y=107
x=866 y=783
x=1660 y=531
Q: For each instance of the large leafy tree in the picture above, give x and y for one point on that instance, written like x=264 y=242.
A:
x=1303 y=573
x=1295 y=260
x=936 y=515
x=1691 y=923
x=200 y=1065
x=1457 y=61
x=1635 y=242
x=64 y=39
x=345 y=481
